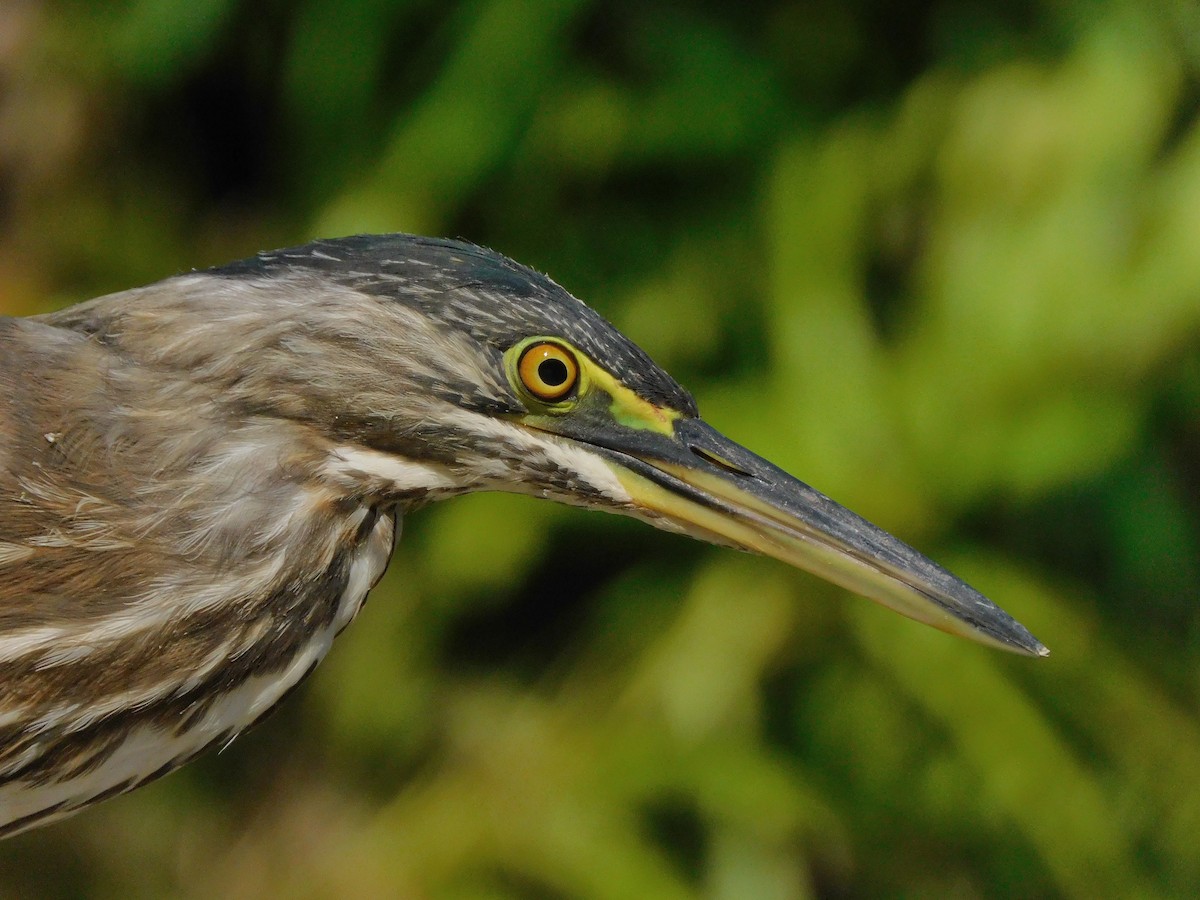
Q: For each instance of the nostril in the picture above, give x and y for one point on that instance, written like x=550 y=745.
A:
x=720 y=462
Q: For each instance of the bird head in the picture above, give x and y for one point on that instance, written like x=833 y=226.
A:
x=433 y=367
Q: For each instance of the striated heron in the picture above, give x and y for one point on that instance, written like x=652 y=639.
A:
x=200 y=481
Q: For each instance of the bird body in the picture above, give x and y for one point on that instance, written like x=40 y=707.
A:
x=200 y=481
x=162 y=590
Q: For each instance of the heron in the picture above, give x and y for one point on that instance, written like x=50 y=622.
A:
x=201 y=480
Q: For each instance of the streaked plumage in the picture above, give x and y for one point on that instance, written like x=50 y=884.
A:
x=201 y=479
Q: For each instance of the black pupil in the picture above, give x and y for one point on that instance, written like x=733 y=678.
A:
x=553 y=372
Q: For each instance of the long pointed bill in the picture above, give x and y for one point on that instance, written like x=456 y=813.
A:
x=700 y=482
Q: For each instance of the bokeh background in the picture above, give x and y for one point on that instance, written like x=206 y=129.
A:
x=940 y=258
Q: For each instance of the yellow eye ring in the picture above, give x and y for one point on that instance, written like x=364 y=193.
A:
x=548 y=371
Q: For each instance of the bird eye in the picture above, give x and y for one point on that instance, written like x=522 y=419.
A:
x=548 y=371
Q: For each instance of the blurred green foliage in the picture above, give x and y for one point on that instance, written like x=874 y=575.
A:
x=941 y=259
